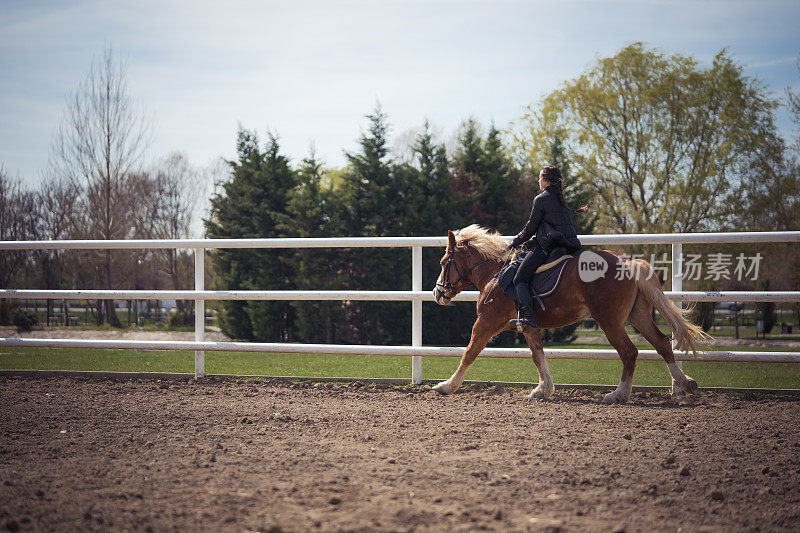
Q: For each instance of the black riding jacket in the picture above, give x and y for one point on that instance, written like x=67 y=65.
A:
x=550 y=222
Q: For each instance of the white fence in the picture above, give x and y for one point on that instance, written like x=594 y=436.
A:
x=416 y=296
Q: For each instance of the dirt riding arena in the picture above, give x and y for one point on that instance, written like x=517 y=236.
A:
x=102 y=455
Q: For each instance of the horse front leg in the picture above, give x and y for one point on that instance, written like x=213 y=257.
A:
x=546 y=387
x=482 y=333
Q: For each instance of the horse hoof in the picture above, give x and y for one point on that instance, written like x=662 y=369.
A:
x=612 y=399
x=691 y=386
x=540 y=394
x=441 y=388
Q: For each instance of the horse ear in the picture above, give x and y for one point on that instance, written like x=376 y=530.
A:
x=451 y=240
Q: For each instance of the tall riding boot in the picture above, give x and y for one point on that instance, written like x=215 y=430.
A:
x=526 y=316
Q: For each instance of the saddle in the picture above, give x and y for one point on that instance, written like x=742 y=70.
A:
x=545 y=280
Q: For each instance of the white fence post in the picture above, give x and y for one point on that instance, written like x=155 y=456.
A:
x=199 y=312
x=416 y=313
x=677 y=285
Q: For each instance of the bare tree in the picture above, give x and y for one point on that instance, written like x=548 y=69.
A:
x=793 y=102
x=99 y=146
x=16 y=215
x=56 y=218
x=177 y=183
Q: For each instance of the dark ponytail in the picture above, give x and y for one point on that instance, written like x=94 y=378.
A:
x=552 y=175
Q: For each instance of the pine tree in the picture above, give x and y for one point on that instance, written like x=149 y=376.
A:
x=464 y=186
x=484 y=180
x=312 y=212
x=496 y=184
x=427 y=197
x=250 y=205
x=372 y=192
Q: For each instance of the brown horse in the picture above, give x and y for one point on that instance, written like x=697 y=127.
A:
x=625 y=291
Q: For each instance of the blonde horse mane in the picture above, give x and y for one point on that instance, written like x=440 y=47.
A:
x=489 y=243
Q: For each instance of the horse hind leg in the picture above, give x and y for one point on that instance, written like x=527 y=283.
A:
x=641 y=318
x=545 y=388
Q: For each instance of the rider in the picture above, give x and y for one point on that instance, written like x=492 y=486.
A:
x=551 y=225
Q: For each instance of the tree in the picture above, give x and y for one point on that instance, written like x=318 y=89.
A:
x=56 y=218
x=175 y=188
x=98 y=146
x=484 y=180
x=427 y=196
x=251 y=205
x=465 y=168
x=793 y=102
x=369 y=187
x=312 y=211
x=431 y=210
x=373 y=191
x=659 y=140
x=17 y=211
x=576 y=191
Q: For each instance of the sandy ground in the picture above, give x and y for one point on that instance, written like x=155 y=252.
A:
x=216 y=455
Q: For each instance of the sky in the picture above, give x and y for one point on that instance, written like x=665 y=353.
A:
x=309 y=71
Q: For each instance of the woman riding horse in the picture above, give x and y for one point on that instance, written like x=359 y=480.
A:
x=551 y=225
x=624 y=291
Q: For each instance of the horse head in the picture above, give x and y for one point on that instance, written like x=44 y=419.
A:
x=458 y=262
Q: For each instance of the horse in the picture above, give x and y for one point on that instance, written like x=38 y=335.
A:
x=627 y=291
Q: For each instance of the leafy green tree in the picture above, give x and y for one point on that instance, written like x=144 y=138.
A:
x=250 y=205
x=660 y=140
x=772 y=194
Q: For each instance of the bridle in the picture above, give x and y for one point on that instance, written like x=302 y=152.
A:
x=447 y=286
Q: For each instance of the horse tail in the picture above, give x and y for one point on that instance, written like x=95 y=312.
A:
x=685 y=333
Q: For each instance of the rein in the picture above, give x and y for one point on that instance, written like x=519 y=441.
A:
x=505 y=264
x=443 y=288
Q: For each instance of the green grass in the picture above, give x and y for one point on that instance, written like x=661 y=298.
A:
x=707 y=374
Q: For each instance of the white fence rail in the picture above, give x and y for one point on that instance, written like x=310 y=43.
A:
x=416 y=296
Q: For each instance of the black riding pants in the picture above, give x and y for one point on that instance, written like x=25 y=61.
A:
x=535 y=258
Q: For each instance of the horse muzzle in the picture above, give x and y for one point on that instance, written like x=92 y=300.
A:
x=440 y=296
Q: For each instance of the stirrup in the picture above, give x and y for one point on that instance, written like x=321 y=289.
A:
x=521 y=324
